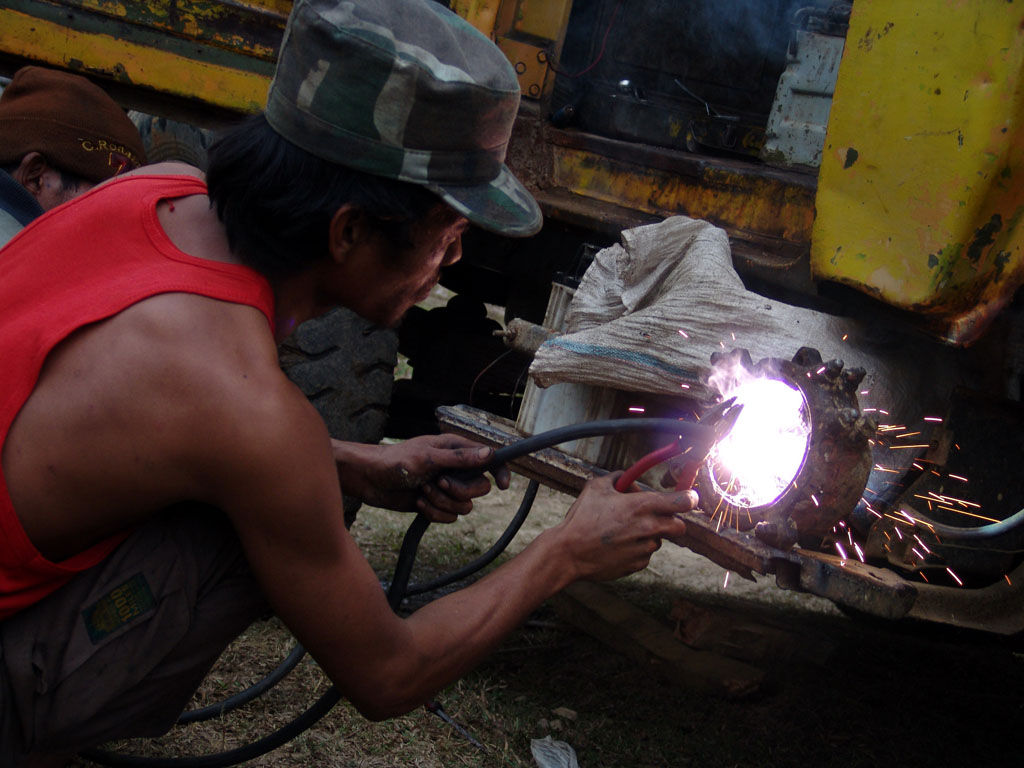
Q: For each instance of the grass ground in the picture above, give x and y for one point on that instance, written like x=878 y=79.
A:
x=844 y=693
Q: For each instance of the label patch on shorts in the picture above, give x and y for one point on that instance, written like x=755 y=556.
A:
x=119 y=607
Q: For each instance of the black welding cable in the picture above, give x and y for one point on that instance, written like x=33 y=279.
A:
x=490 y=555
x=397 y=591
x=232 y=756
x=249 y=694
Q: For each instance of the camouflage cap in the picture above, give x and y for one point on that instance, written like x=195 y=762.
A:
x=408 y=90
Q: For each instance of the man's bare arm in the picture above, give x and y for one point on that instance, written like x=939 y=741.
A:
x=284 y=500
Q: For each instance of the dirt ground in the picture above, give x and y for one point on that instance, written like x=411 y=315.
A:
x=836 y=692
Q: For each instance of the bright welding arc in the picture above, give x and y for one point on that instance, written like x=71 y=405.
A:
x=763 y=454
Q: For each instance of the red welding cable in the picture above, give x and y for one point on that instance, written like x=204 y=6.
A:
x=626 y=480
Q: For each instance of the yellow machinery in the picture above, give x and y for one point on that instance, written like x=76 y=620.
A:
x=916 y=202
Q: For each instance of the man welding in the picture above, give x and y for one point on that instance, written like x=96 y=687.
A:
x=163 y=483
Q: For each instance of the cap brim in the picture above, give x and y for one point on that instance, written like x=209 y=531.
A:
x=503 y=205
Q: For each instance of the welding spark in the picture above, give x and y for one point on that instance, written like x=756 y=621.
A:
x=957 y=578
x=969 y=514
x=685 y=386
x=842 y=552
x=846 y=336
x=860 y=552
x=684 y=334
x=726 y=582
x=636 y=409
x=898 y=447
x=953 y=500
x=764 y=451
x=815 y=500
x=958 y=477
x=933 y=419
x=1007 y=577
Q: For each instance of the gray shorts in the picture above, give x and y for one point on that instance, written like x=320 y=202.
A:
x=119 y=650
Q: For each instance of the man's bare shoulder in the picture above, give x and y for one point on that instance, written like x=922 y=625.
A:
x=169 y=168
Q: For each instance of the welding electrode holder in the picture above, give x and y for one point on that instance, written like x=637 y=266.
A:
x=721 y=419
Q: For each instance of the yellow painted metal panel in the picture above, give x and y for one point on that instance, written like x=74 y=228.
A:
x=529 y=62
x=542 y=18
x=480 y=13
x=742 y=203
x=39 y=40
x=921 y=189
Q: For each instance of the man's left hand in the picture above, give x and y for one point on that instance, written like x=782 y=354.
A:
x=437 y=475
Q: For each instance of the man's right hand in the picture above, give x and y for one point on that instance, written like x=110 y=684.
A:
x=607 y=534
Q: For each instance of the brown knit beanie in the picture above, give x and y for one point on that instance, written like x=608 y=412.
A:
x=71 y=121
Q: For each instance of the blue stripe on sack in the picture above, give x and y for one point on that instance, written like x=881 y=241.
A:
x=612 y=353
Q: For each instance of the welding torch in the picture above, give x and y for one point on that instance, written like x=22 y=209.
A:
x=697 y=438
x=721 y=419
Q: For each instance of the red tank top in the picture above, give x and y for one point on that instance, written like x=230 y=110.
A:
x=80 y=263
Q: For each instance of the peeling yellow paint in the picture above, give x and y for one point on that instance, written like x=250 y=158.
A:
x=746 y=203
x=221 y=86
x=931 y=196
x=480 y=13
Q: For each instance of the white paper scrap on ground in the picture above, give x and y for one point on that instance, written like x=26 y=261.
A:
x=549 y=753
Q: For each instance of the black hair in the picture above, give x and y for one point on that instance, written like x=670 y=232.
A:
x=69 y=182
x=276 y=200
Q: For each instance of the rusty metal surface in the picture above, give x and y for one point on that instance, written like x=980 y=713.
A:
x=865 y=588
x=738 y=195
x=607 y=185
x=551 y=467
x=831 y=480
